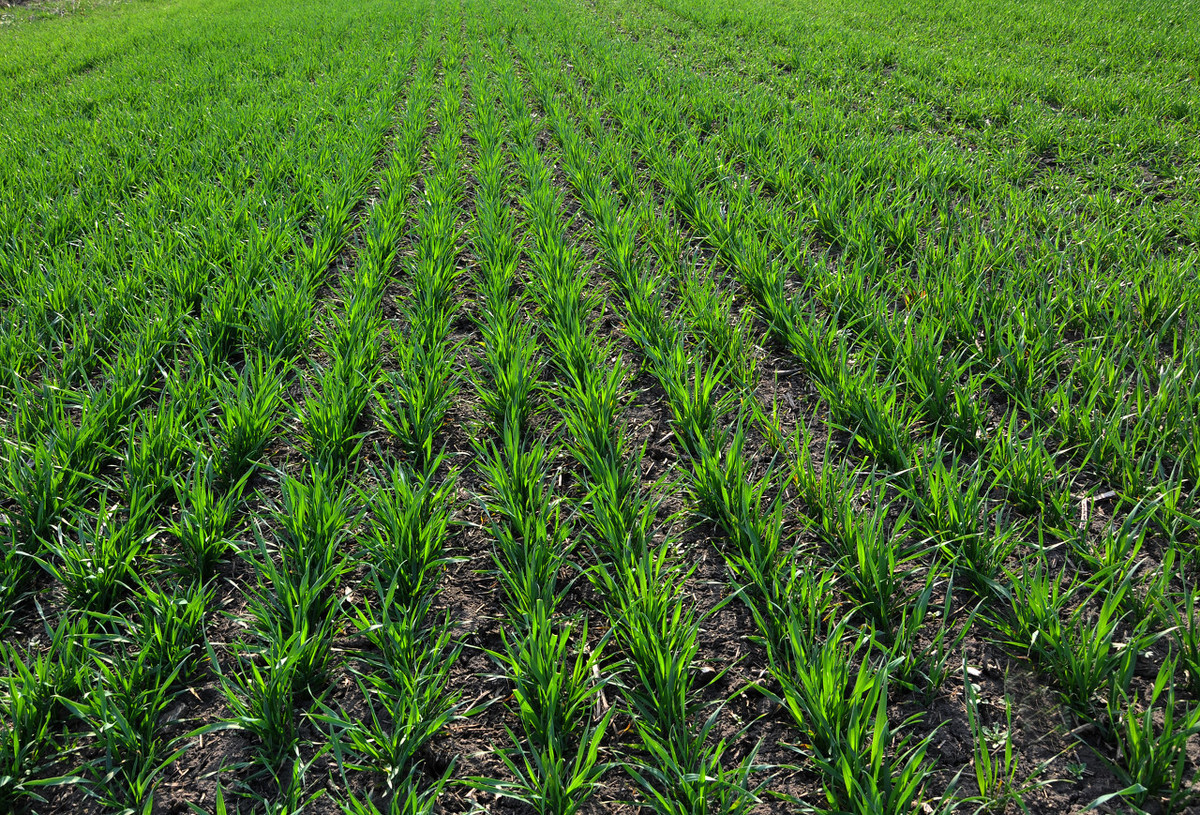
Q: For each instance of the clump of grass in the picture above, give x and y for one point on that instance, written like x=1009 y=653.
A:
x=247 y=416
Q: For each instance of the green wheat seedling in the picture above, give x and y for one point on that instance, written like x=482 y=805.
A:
x=873 y=557
x=530 y=545
x=330 y=419
x=358 y=322
x=495 y=240
x=411 y=796
x=282 y=319
x=207 y=517
x=693 y=393
x=315 y=518
x=1026 y=349
x=43 y=489
x=410 y=516
x=406 y=712
x=819 y=483
x=1142 y=602
x=942 y=387
x=1183 y=614
x=188 y=388
x=725 y=492
x=704 y=785
x=223 y=319
x=756 y=554
x=1139 y=457
x=99 y=563
x=889 y=779
x=122 y=712
x=351 y=335
x=435 y=272
x=618 y=513
x=819 y=685
x=261 y=697
x=158 y=450
x=17 y=354
x=1072 y=631
x=551 y=669
x=925 y=666
x=1152 y=756
x=648 y=323
x=67 y=669
x=555 y=763
x=965 y=424
x=415 y=398
x=247 y=417
x=291 y=792
x=26 y=728
x=167 y=631
x=875 y=767
x=559 y=291
x=995 y=764
x=950 y=509
x=107 y=409
x=874 y=414
x=82 y=357
x=435 y=278
x=414 y=650
x=499 y=251
x=1164 y=509
x=14 y=575
x=295 y=614
x=868 y=767
x=331 y=410
x=710 y=317
x=44 y=417
x=186 y=282
x=330 y=230
x=382 y=234
x=510 y=363
x=799 y=589
x=930 y=373
x=529 y=555
x=547 y=781
x=1027 y=472
x=661 y=634
x=574 y=348
x=1119 y=546
x=516 y=471
x=592 y=402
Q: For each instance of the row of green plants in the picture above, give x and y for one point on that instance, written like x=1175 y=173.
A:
x=404 y=676
x=546 y=656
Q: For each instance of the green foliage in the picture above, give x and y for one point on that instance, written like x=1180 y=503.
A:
x=207 y=517
x=888 y=313
x=1152 y=756
x=246 y=416
x=410 y=516
x=1072 y=628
